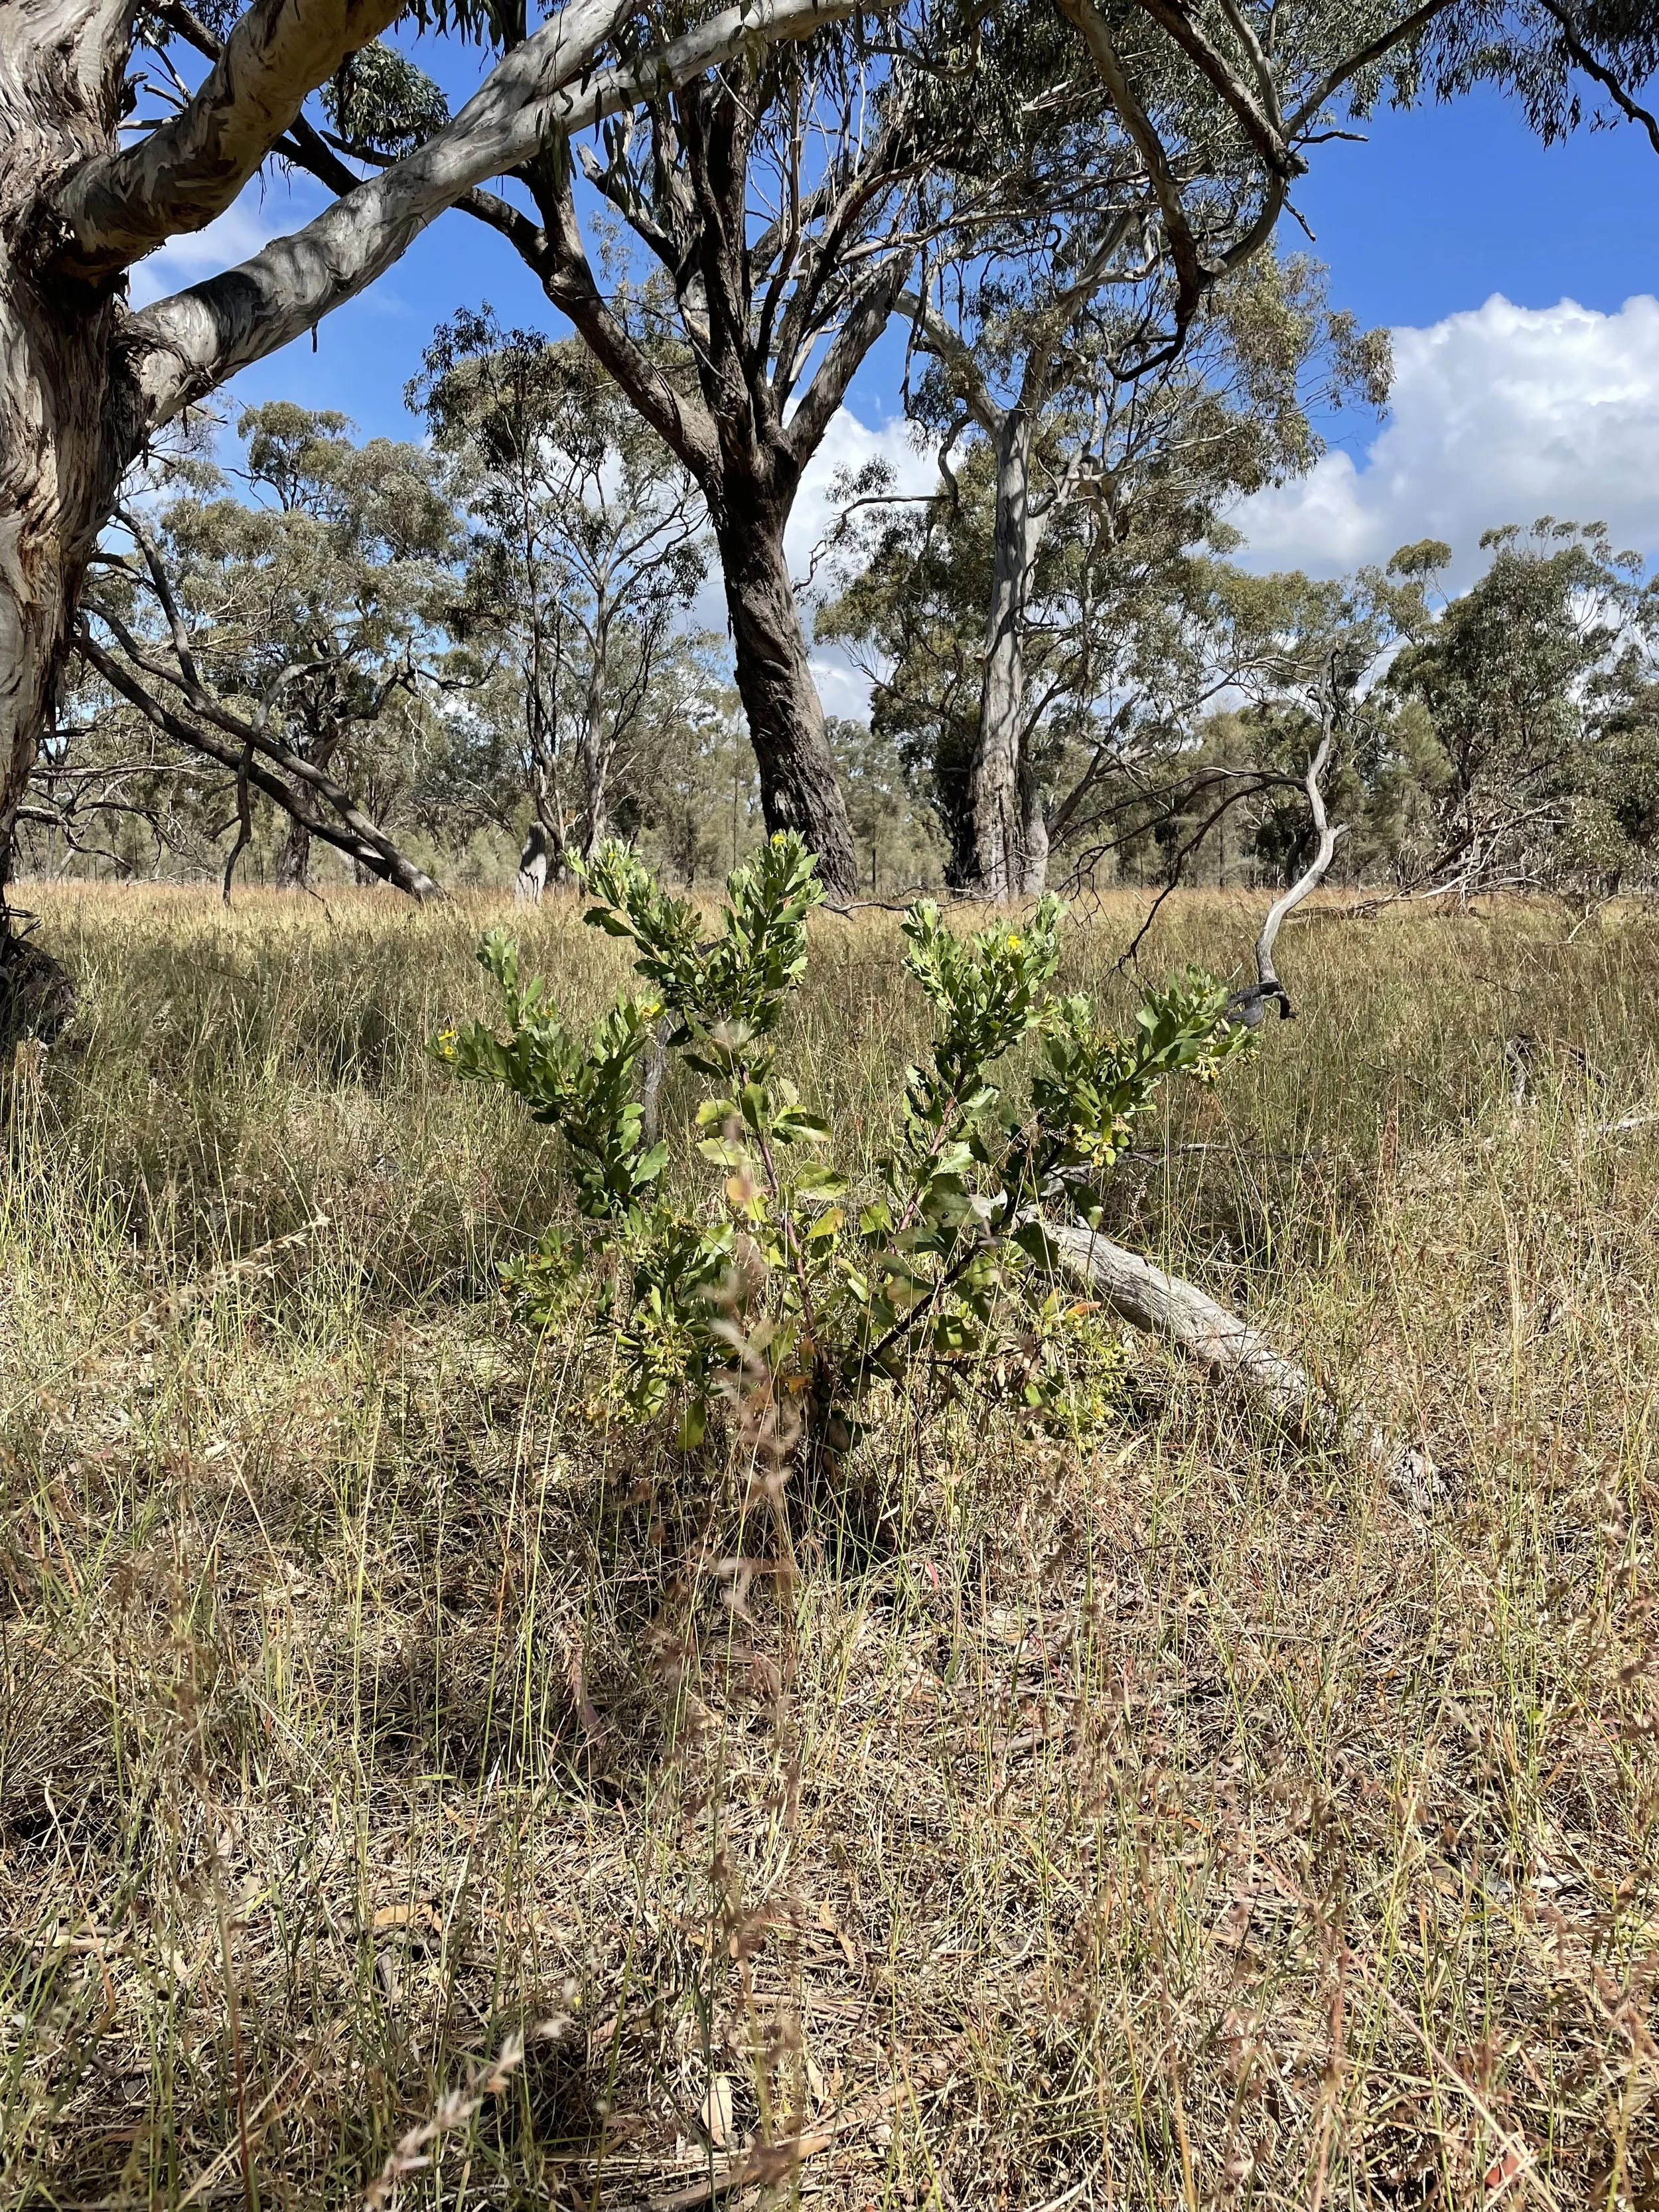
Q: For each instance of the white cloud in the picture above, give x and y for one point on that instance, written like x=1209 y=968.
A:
x=1499 y=414
x=847 y=445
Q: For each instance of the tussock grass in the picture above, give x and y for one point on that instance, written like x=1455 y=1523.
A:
x=1158 y=1818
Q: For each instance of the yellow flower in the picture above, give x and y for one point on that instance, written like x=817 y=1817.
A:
x=1016 y=944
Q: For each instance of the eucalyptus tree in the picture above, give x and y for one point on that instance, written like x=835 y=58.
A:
x=775 y=196
x=1148 y=458
x=288 y=637
x=585 y=552
x=86 y=381
x=1125 y=218
x=1537 y=684
x=1139 y=236
x=785 y=202
x=1032 y=641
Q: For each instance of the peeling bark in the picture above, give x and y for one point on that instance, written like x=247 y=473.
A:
x=62 y=68
x=183 y=175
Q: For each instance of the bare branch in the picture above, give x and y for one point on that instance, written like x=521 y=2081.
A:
x=861 y=326
x=1329 y=834
x=353 y=833
x=1231 y=1349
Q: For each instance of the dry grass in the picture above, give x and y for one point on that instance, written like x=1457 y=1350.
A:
x=1161 y=1821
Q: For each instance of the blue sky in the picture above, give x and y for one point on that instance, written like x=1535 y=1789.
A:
x=1524 y=382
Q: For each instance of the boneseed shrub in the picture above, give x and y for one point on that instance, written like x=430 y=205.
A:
x=782 y=1286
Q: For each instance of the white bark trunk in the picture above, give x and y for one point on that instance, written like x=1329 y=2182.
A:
x=1010 y=834
x=532 y=865
x=62 y=64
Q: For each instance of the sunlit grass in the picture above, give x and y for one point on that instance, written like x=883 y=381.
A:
x=1166 y=1819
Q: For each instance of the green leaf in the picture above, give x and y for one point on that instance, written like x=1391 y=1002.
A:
x=694 y=1425
x=1034 y=1240
x=818 y=1180
x=723 y=1153
x=812 y=1127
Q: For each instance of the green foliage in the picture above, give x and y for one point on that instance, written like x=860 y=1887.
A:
x=581 y=1087
x=767 y=1274
x=381 y=103
x=310 y=589
x=1537 y=684
x=583 y=554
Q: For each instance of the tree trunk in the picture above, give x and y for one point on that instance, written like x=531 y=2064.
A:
x=61 y=66
x=593 y=752
x=293 y=859
x=531 y=879
x=1010 y=836
x=800 y=789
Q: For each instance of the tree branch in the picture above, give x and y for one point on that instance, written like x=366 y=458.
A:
x=120 y=206
x=1181 y=25
x=1327 y=832
x=863 y=325
x=355 y=835
x=1599 y=73
x=935 y=336
x=1192 y=278
x=1230 y=1350
x=557 y=254
x=183 y=346
x=1407 y=27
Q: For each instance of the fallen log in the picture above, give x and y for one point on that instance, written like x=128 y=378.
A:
x=1234 y=1352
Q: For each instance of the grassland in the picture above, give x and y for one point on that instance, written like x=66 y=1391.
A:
x=1170 y=1819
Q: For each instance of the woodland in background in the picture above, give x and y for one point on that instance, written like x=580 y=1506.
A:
x=1074 y=211
x=409 y=656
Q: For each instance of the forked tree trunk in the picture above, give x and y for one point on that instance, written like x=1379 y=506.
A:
x=800 y=789
x=1010 y=834
x=61 y=66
